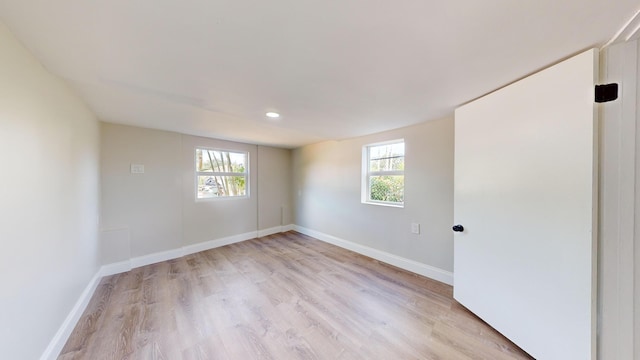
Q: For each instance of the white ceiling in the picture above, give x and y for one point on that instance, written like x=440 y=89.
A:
x=334 y=68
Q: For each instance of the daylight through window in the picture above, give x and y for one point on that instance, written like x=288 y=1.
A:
x=383 y=173
x=221 y=173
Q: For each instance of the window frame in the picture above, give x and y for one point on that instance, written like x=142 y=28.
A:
x=197 y=173
x=367 y=174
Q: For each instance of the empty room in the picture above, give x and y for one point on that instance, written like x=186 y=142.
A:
x=320 y=180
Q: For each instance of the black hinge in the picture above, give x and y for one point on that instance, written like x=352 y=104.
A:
x=606 y=93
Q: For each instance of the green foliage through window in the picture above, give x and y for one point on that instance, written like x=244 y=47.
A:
x=387 y=188
x=385 y=173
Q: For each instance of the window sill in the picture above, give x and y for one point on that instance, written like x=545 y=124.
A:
x=383 y=204
x=222 y=198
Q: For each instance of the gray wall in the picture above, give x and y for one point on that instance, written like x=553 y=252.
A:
x=149 y=205
x=49 y=191
x=207 y=220
x=156 y=211
x=327 y=181
x=274 y=187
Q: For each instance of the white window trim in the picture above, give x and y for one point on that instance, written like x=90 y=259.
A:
x=204 y=173
x=365 y=191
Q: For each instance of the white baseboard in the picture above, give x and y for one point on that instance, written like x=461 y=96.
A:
x=62 y=335
x=149 y=259
x=275 y=230
x=115 y=268
x=270 y=231
x=395 y=260
x=208 y=245
x=144 y=260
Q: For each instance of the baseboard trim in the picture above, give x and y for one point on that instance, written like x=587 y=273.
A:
x=62 y=335
x=270 y=231
x=140 y=261
x=115 y=268
x=391 y=259
x=212 y=244
x=144 y=260
x=275 y=230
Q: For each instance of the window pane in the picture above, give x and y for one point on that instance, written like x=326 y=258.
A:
x=387 y=164
x=220 y=161
x=388 y=157
x=203 y=163
x=387 y=150
x=387 y=188
x=221 y=186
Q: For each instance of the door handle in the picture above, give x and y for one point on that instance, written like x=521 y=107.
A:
x=458 y=228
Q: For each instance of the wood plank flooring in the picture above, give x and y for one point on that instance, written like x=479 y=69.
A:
x=285 y=296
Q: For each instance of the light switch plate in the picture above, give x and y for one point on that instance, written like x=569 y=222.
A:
x=137 y=169
x=415 y=228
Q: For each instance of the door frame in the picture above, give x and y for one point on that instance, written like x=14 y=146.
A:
x=619 y=248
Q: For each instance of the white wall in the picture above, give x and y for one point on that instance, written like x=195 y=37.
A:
x=155 y=212
x=49 y=191
x=326 y=186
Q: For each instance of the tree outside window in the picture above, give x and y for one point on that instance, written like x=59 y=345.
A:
x=221 y=173
x=383 y=181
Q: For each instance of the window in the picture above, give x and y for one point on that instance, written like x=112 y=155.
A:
x=221 y=174
x=383 y=173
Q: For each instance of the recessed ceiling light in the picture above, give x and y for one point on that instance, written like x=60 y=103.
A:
x=272 y=115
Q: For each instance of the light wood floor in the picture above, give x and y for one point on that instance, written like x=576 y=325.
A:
x=286 y=296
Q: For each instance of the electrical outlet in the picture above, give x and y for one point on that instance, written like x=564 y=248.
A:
x=415 y=228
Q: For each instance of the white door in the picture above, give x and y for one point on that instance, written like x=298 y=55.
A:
x=525 y=193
